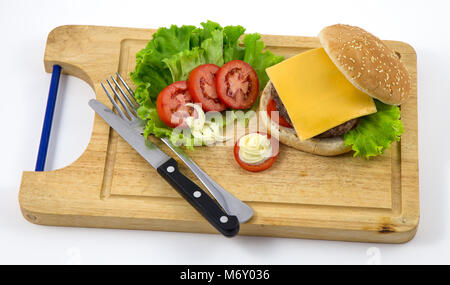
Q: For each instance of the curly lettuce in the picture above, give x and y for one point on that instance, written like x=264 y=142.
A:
x=231 y=48
x=375 y=132
x=258 y=58
x=174 y=52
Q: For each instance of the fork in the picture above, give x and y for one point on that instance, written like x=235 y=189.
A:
x=229 y=203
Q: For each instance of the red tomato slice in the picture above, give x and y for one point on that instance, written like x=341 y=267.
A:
x=272 y=107
x=264 y=164
x=237 y=84
x=170 y=104
x=202 y=87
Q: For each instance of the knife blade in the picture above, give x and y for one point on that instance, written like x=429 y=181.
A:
x=167 y=167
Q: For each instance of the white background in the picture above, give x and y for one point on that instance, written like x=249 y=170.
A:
x=24 y=26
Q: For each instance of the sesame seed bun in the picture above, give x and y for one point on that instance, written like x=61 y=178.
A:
x=367 y=63
x=320 y=146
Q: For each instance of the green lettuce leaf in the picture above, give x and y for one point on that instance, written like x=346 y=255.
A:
x=375 y=132
x=213 y=48
x=154 y=124
x=151 y=71
x=206 y=47
x=231 y=48
x=258 y=59
x=181 y=64
x=210 y=39
x=174 y=52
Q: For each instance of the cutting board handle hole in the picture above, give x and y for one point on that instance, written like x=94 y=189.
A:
x=73 y=122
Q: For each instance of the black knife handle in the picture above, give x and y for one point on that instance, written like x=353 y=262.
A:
x=202 y=202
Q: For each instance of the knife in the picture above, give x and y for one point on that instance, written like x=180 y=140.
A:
x=167 y=167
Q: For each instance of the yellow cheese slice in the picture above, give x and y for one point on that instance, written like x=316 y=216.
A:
x=317 y=96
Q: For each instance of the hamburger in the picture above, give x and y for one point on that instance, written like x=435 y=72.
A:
x=338 y=97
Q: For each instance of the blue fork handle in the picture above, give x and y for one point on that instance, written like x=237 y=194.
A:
x=49 y=111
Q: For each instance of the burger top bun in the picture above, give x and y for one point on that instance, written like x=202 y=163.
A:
x=368 y=63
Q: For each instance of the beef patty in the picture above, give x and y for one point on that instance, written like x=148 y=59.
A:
x=280 y=107
x=334 y=132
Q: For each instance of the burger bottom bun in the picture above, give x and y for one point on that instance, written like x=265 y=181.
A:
x=320 y=146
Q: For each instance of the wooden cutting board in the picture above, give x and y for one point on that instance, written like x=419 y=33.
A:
x=301 y=196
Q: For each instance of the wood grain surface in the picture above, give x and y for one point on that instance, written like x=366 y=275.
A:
x=300 y=196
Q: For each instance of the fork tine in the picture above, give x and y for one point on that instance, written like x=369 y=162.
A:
x=121 y=114
x=124 y=105
x=127 y=87
x=124 y=95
